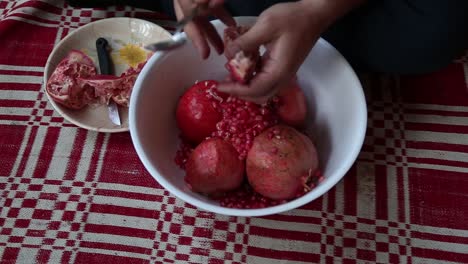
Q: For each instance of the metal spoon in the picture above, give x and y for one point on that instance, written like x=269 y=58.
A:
x=177 y=39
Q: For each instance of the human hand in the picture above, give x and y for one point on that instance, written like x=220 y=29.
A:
x=200 y=30
x=288 y=31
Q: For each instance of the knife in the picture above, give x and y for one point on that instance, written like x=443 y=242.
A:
x=105 y=66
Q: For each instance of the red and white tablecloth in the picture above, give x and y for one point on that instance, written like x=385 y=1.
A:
x=69 y=195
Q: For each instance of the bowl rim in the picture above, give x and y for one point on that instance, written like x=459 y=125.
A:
x=47 y=69
x=318 y=191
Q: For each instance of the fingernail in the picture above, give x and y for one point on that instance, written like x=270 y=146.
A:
x=200 y=50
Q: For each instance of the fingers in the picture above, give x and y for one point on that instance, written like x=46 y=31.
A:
x=243 y=92
x=273 y=76
x=193 y=32
x=210 y=31
x=215 y=3
x=198 y=38
x=262 y=87
x=224 y=16
x=209 y=3
x=200 y=30
x=259 y=34
x=212 y=35
x=238 y=89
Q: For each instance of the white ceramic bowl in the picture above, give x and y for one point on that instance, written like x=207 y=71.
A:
x=337 y=117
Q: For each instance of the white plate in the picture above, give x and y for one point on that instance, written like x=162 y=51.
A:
x=123 y=34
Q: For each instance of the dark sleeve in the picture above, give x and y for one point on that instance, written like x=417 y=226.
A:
x=236 y=7
x=403 y=37
x=249 y=7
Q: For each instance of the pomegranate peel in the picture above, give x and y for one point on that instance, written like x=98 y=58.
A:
x=213 y=168
x=280 y=175
x=243 y=64
x=292 y=106
x=196 y=115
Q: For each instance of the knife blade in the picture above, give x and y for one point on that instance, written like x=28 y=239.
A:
x=105 y=67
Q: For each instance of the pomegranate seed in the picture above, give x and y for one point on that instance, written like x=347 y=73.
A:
x=274 y=150
x=264 y=111
x=182 y=154
x=246 y=198
x=233 y=129
x=270 y=135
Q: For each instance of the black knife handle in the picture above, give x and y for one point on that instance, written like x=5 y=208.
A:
x=105 y=63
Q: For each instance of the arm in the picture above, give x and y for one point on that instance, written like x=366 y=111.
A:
x=333 y=9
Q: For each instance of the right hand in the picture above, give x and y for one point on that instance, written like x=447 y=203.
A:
x=287 y=45
x=200 y=30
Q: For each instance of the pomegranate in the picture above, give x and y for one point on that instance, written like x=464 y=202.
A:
x=214 y=167
x=197 y=113
x=128 y=78
x=243 y=64
x=246 y=198
x=62 y=85
x=292 y=107
x=74 y=83
x=76 y=56
x=104 y=86
x=281 y=162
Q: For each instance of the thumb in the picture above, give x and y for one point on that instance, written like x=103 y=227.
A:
x=251 y=40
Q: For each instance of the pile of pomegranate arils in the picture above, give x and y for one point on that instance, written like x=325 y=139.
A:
x=243 y=154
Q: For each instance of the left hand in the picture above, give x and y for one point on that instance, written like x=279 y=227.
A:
x=200 y=30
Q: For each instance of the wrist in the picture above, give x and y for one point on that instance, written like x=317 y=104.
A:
x=328 y=11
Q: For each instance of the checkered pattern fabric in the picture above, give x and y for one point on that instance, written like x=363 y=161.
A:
x=69 y=195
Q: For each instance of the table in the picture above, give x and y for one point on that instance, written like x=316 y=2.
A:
x=74 y=196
